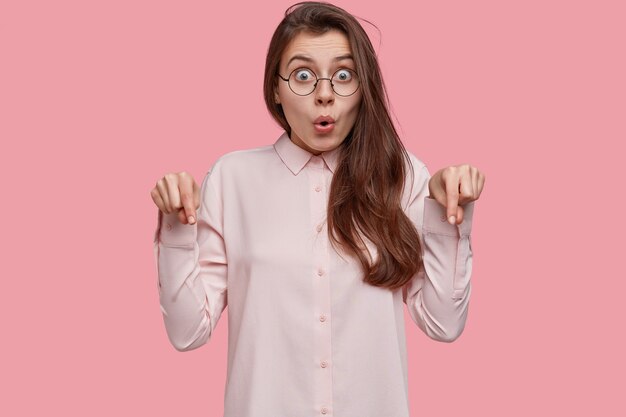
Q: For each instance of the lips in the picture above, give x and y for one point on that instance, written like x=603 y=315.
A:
x=324 y=120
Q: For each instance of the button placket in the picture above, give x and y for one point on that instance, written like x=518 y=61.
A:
x=321 y=285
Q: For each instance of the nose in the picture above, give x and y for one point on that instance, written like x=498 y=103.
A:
x=324 y=91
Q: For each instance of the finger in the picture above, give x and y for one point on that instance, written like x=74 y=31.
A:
x=475 y=176
x=156 y=197
x=171 y=182
x=452 y=197
x=181 y=216
x=481 y=184
x=466 y=188
x=164 y=197
x=459 y=214
x=187 y=198
x=196 y=195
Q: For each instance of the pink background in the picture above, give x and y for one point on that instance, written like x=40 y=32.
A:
x=99 y=99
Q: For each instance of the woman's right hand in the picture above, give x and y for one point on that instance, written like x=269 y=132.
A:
x=177 y=193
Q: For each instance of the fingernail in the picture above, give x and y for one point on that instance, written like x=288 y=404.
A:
x=452 y=219
x=190 y=219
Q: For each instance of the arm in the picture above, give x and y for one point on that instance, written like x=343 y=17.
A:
x=192 y=272
x=438 y=296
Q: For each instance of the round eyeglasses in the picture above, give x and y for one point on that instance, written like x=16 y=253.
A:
x=302 y=81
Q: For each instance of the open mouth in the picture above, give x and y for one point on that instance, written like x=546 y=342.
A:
x=324 y=124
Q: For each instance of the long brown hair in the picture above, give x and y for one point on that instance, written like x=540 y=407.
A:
x=367 y=186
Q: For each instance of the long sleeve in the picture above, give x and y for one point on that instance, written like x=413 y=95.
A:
x=438 y=296
x=192 y=271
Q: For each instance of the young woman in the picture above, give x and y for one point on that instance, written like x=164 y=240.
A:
x=317 y=241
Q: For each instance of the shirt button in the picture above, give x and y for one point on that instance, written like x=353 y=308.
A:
x=168 y=226
x=318 y=188
x=320 y=272
x=324 y=364
x=324 y=410
x=322 y=318
x=443 y=218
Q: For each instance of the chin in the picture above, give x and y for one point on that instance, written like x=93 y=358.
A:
x=323 y=145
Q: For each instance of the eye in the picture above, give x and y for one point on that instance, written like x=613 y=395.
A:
x=343 y=75
x=303 y=74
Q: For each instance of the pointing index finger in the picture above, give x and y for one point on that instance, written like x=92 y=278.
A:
x=188 y=200
x=452 y=199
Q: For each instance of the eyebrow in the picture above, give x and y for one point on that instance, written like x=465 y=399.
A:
x=307 y=59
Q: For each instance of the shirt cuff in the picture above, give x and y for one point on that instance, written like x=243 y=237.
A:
x=435 y=219
x=171 y=232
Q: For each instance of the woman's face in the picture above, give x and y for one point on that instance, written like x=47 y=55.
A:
x=301 y=111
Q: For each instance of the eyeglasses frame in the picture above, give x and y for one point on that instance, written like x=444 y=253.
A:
x=317 y=80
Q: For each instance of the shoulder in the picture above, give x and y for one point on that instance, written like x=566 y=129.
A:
x=240 y=160
x=417 y=172
x=416 y=178
x=239 y=171
x=416 y=164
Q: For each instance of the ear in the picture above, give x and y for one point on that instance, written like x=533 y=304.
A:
x=276 y=96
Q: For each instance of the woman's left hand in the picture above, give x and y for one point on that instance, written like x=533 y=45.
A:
x=455 y=186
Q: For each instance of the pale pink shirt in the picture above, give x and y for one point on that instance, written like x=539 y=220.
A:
x=306 y=336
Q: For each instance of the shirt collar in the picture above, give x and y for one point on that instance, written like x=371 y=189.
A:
x=296 y=158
